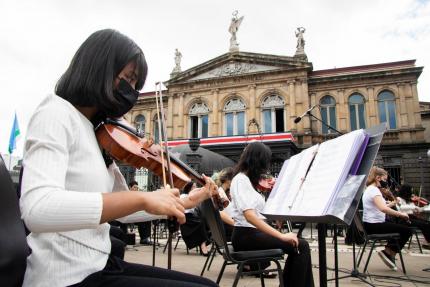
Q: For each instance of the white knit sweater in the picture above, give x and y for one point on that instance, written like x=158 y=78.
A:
x=61 y=202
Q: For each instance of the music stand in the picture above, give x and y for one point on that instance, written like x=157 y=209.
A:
x=351 y=194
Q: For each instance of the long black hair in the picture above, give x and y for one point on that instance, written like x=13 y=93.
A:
x=405 y=192
x=254 y=161
x=89 y=80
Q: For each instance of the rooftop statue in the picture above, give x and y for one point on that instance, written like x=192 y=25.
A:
x=234 y=27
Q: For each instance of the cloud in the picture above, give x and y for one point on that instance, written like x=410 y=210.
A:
x=39 y=38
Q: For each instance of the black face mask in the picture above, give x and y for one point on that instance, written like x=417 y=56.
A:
x=126 y=97
x=383 y=183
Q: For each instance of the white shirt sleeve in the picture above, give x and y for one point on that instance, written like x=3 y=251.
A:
x=374 y=191
x=246 y=196
x=46 y=205
x=121 y=185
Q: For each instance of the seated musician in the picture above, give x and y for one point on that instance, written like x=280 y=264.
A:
x=251 y=232
x=375 y=210
x=223 y=180
x=406 y=205
x=144 y=228
x=67 y=184
x=194 y=231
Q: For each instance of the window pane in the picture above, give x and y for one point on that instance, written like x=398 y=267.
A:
x=392 y=114
x=156 y=134
x=205 y=126
x=332 y=123
x=386 y=96
x=194 y=125
x=279 y=117
x=229 y=124
x=240 y=123
x=327 y=100
x=324 y=117
x=352 y=117
x=361 y=117
x=267 y=119
x=356 y=99
x=382 y=114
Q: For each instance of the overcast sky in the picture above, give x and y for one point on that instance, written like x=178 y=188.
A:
x=39 y=38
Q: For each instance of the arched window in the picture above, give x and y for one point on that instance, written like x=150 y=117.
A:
x=139 y=123
x=328 y=113
x=234 y=115
x=273 y=114
x=356 y=111
x=199 y=120
x=387 y=108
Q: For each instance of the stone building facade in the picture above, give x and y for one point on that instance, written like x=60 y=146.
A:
x=240 y=93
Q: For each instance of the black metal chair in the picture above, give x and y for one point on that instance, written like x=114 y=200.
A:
x=374 y=239
x=239 y=258
x=13 y=244
x=415 y=231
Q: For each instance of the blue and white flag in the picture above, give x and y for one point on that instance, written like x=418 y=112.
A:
x=14 y=135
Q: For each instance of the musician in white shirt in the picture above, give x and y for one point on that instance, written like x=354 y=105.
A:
x=374 y=210
x=406 y=205
x=67 y=183
x=251 y=232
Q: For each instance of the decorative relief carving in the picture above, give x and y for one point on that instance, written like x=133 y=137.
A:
x=272 y=101
x=233 y=68
x=199 y=109
x=234 y=105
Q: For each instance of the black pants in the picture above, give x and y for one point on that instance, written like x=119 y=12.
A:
x=389 y=227
x=298 y=267
x=123 y=274
x=194 y=231
x=423 y=225
x=144 y=230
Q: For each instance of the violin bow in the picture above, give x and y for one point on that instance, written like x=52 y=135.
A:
x=160 y=134
x=162 y=131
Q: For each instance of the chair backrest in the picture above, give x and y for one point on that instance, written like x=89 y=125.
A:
x=13 y=244
x=216 y=226
x=359 y=224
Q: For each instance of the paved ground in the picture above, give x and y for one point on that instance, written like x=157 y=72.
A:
x=193 y=263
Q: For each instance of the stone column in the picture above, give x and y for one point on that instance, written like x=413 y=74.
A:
x=315 y=126
x=300 y=108
x=215 y=112
x=169 y=116
x=305 y=97
x=401 y=104
x=252 y=99
x=181 y=119
x=293 y=114
x=342 y=111
x=147 y=115
x=416 y=102
x=371 y=106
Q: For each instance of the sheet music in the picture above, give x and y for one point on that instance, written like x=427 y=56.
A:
x=346 y=195
x=327 y=174
x=289 y=181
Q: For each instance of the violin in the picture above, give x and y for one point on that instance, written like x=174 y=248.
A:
x=123 y=143
x=266 y=183
x=387 y=194
x=419 y=201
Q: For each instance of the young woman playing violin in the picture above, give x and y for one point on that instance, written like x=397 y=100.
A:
x=375 y=210
x=251 y=232
x=406 y=205
x=67 y=187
